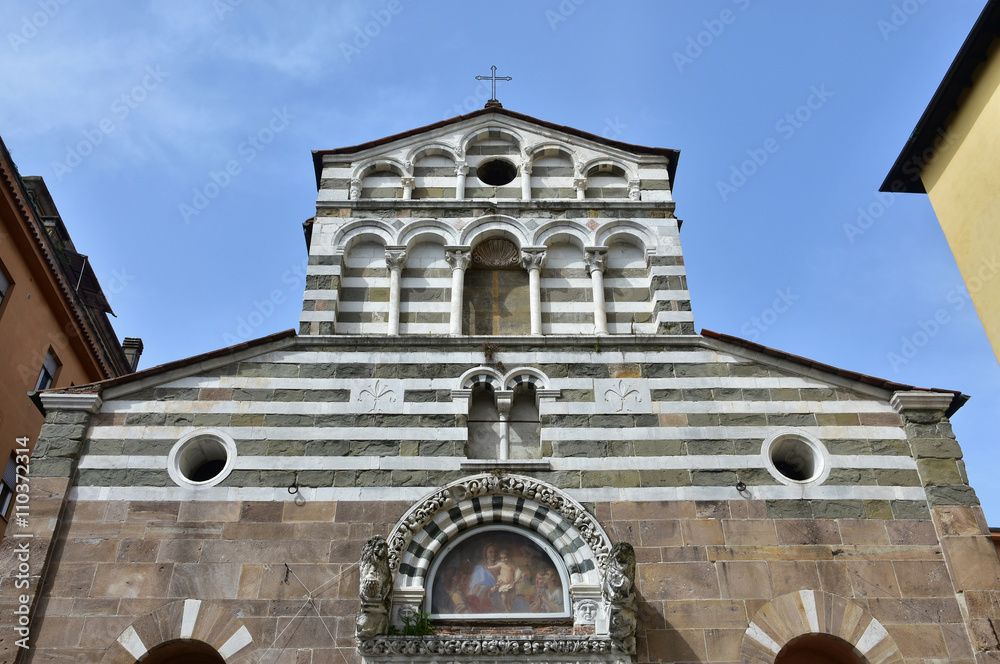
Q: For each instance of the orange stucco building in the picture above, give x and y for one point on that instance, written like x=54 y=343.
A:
x=54 y=328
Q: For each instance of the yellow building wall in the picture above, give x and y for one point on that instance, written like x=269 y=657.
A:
x=963 y=183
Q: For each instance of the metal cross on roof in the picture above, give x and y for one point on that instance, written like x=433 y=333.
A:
x=493 y=78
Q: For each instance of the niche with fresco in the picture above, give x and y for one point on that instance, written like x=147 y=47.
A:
x=498 y=572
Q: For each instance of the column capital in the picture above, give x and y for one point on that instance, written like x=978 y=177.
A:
x=458 y=257
x=395 y=257
x=355 y=189
x=408 y=181
x=461 y=168
x=533 y=258
x=633 y=189
x=504 y=399
x=596 y=258
x=580 y=183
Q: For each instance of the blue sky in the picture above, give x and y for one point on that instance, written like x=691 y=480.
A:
x=132 y=110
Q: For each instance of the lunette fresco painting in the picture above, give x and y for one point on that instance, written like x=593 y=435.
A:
x=494 y=573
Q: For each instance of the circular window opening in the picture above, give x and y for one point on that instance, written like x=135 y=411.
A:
x=796 y=459
x=496 y=172
x=202 y=459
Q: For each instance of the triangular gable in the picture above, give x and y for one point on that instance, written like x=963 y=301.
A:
x=796 y=365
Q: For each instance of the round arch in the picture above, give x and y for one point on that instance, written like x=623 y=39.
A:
x=430 y=150
x=474 y=135
x=494 y=225
x=556 y=230
x=485 y=375
x=379 y=164
x=783 y=619
x=426 y=230
x=525 y=375
x=364 y=229
x=442 y=515
x=186 y=651
x=819 y=649
x=609 y=165
x=218 y=628
x=635 y=233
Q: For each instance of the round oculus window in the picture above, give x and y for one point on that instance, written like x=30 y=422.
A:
x=201 y=459
x=496 y=172
x=795 y=458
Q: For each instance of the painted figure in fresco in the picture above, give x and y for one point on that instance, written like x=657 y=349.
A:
x=507 y=574
x=483 y=582
x=454 y=581
x=548 y=595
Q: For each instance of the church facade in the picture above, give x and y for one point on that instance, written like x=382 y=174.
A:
x=496 y=436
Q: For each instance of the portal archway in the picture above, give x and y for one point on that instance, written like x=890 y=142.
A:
x=182 y=652
x=818 y=649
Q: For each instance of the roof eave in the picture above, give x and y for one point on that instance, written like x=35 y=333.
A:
x=958 y=399
x=904 y=176
x=671 y=154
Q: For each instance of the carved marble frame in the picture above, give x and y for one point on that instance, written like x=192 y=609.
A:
x=522 y=503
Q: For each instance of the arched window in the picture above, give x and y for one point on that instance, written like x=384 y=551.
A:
x=182 y=652
x=485 y=427
x=818 y=649
x=497 y=298
x=524 y=425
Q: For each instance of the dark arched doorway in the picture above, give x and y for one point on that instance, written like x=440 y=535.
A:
x=182 y=652
x=818 y=649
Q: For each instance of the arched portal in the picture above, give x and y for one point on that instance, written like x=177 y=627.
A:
x=182 y=652
x=819 y=649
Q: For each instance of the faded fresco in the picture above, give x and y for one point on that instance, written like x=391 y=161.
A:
x=497 y=572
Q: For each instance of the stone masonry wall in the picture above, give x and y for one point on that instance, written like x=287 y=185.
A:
x=705 y=568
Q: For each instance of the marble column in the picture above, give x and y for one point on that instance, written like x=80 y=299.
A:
x=526 y=181
x=533 y=259
x=504 y=400
x=581 y=188
x=461 y=169
x=597 y=258
x=459 y=259
x=395 y=260
x=408 y=184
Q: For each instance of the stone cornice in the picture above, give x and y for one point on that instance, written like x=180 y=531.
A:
x=921 y=400
x=90 y=403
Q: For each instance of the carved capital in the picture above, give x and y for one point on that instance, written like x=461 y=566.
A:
x=596 y=258
x=395 y=259
x=533 y=259
x=458 y=259
x=408 y=182
x=461 y=168
x=504 y=400
x=355 y=188
x=633 y=189
x=580 y=183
